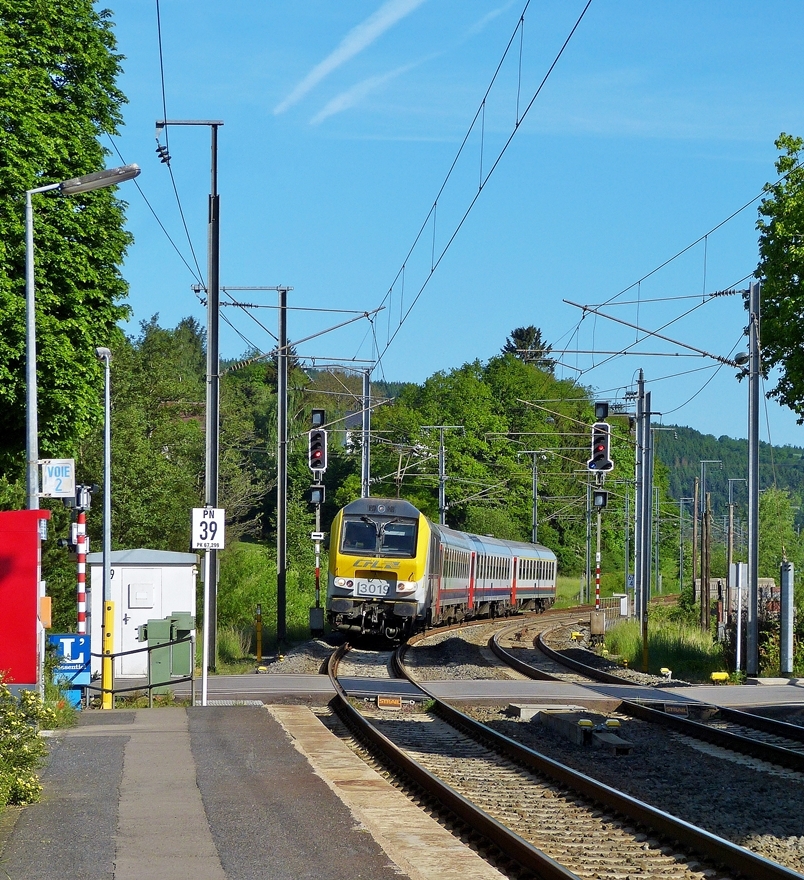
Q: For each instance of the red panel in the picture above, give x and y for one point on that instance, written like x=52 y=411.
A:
x=472 y=580
x=513 y=582
x=19 y=593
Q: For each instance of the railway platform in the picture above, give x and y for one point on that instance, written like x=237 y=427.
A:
x=234 y=792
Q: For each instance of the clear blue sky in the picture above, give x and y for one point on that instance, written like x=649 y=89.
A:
x=342 y=120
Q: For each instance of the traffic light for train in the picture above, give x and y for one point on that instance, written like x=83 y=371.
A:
x=317 y=454
x=601 y=448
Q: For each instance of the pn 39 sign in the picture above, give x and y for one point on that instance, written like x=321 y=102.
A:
x=208 y=528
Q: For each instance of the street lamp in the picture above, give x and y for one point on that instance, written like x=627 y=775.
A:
x=107 y=628
x=73 y=186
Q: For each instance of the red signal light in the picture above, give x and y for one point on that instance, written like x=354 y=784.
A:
x=600 y=455
x=317 y=451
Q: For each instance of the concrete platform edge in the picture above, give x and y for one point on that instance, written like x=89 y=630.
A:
x=416 y=843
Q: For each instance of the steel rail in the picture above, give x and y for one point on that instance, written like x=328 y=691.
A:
x=514 y=846
x=704 y=843
x=770 y=752
x=577 y=666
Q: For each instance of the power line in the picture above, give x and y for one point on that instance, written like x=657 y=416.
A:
x=156 y=216
x=432 y=213
x=166 y=155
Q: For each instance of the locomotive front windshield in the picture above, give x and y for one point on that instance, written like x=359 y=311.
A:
x=367 y=537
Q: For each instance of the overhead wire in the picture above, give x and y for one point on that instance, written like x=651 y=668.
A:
x=245 y=309
x=153 y=211
x=435 y=262
x=167 y=143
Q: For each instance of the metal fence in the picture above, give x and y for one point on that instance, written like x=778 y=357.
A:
x=149 y=685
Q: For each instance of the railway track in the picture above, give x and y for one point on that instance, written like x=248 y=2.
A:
x=543 y=815
x=765 y=739
x=364 y=663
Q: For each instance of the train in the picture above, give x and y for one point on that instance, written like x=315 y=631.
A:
x=392 y=572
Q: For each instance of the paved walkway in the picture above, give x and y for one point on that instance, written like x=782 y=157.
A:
x=221 y=793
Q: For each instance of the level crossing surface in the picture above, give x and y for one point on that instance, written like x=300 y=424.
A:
x=317 y=690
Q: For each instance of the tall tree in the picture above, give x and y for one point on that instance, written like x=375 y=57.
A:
x=777 y=535
x=781 y=269
x=59 y=96
x=526 y=343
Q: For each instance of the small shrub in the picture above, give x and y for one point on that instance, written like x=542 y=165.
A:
x=21 y=748
x=64 y=714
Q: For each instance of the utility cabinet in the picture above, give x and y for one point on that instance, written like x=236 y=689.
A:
x=167 y=659
x=146 y=586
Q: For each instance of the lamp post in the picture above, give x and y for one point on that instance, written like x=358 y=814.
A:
x=73 y=186
x=107 y=624
x=752 y=632
x=212 y=408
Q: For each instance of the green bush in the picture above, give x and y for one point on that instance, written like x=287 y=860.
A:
x=248 y=578
x=21 y=748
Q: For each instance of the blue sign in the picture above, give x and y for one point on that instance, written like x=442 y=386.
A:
x=73 y=666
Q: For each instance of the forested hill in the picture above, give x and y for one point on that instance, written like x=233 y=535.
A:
x=683 y=449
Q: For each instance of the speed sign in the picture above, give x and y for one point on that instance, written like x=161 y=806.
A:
x=208 y=528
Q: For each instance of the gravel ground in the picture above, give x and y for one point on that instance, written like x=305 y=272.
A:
x=458 y=655
x=745 y=801
x=304 y=659
x=560 y=639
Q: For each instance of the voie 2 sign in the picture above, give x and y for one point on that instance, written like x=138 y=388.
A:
x=208 y=528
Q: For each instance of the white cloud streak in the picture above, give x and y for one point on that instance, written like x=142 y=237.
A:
x=358 y=39
x=480 y=25
x=351 y=97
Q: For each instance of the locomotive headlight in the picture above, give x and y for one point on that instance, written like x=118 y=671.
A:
x=403 y=587
x=340 y=582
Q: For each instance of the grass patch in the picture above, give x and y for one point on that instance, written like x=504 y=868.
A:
x=691 y=654
x=568 y=591
x=139 y=700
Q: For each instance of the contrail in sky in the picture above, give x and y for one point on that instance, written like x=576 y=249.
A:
x=359 y=38
x=356 y=94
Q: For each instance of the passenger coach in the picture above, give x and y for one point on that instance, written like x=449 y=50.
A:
x=392 y=571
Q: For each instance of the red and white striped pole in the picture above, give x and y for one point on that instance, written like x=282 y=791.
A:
x=81 y=553
x=597 y=583
x=597 y=565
